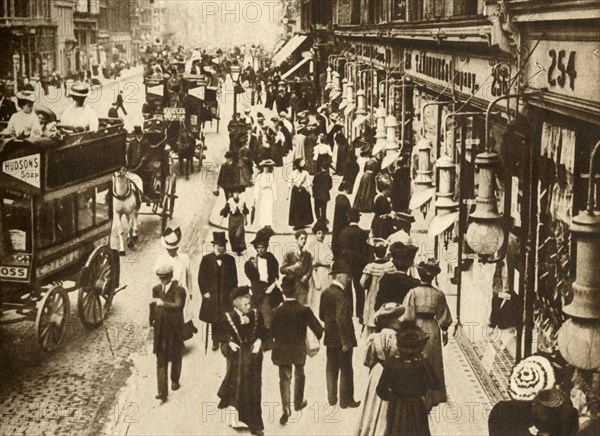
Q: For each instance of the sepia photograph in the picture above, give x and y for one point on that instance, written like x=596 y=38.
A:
x=300 y=217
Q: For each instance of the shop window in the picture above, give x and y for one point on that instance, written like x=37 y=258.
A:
x=85 y=209
x=103 y=206
x=16 y=228
x=45 y=224
x=65 y=218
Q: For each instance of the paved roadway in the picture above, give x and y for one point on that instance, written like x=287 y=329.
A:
x=84 y=389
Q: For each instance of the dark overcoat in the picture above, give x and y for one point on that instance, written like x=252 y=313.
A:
x=168 y=319
x=219 y=281
x=336 y=313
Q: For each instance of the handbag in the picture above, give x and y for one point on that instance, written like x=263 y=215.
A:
x=312 y=344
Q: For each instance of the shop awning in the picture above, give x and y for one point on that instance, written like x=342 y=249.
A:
x=295 y=68
x=290 y=47
x=441 y=223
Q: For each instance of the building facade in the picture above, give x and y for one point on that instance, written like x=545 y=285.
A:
x=27 y=30
x=85 y=21
x=480 y=88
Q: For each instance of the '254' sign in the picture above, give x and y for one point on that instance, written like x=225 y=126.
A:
x=558 y=71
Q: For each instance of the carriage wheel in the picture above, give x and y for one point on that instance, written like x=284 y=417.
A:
x=97 y=289
x=172 y=196
x=52 y=317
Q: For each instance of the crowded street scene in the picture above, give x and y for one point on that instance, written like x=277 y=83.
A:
x=300 y=217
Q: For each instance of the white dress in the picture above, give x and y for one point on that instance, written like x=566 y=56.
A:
x=265 y=196
x=183 y=275
x=321 y=276
x=84 y=117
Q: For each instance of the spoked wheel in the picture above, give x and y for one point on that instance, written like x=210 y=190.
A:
x=97 y=291
x=52 y=317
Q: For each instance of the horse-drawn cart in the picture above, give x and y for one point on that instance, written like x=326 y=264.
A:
x=55 y=229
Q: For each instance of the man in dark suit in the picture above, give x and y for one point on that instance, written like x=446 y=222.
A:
x=297 y=262
x=166 y=316
x=263 y=270
x=290 y=321
x=354 y=248
x=393 y=287
x=217 y=276
x=336 y=314
x=7 y=106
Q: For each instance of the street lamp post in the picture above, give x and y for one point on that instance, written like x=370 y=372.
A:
x=235 y=71
x=16 y=58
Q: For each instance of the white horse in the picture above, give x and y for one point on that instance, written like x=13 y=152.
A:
x=126 y=201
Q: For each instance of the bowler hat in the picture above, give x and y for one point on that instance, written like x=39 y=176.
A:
x=219 y=238
x=340 y=267
x=241 y=291
x=171 y=238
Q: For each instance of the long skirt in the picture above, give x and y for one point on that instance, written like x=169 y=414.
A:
x=407 y=416
x=301 y=214
x=433 y=353
x=237 y=233
x=365 y=195
x=373 y=421
x=241 y=387
x=320 y=280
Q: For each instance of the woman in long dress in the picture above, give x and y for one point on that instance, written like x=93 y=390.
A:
x=370 y=281
x=301 y=213
x=237 y=211
x=365 y=195
x=322 y=260
x=380 y=347
x=427 y=306
x=382 y=225
x=265 y=195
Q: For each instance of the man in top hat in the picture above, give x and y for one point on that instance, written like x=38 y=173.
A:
x=182 y=274
x=336 y=313
x=263 y=270
x=354 y=248
x=79 y=115
x=166 y=316
x=228 y=178
x=242 y=337
x=217 y=276
x=393 y=287
x=290 y=323
x=24 y=123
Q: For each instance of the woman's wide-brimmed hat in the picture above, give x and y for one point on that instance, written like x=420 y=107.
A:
x=429 y=270
x=267 y=163
x=219 y=238
x=529 y=377
x=388 y=313
x=171 y=238
x=263 y=236
x=411 y=339
x=26 y=96
x=79 y=89
x=46 y=111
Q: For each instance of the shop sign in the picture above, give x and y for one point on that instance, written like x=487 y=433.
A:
x=16 y=268
x=469 y=75
x=564 y=67
x=25 y=169
x=174 y=114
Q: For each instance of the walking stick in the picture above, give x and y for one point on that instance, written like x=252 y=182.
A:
x=206 y=341
x=108 y=339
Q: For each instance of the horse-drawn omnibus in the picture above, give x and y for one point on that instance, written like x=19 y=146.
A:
x=55 y=229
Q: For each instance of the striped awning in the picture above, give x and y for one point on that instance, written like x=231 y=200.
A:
x=295 y=68
x=290 y=47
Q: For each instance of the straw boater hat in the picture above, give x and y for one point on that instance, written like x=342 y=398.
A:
x=46 y=111
x=171 y=238
x=79 y=89
x=266 y=163
x=387 y=313
x=25 y=95
x=529 y=377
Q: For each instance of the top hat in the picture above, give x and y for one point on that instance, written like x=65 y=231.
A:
x=163 y=268
x=219 y=238
x=137 y=129
x=429 y=270
x=411 y=339
x=340 y=267
x=79 y=89
x=400 y=251
x=171 y=238
x=241 y=291
x=26 y=95
x=388 y=312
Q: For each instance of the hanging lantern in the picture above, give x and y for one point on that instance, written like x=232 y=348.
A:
x=579 y=337
x=380 y=131
x=329 y=78
x=445 y=205
x=423 y=189
x=360 y=103
x=485 y=235
x=350 y=101
x=344 y=94
x=392 y=149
